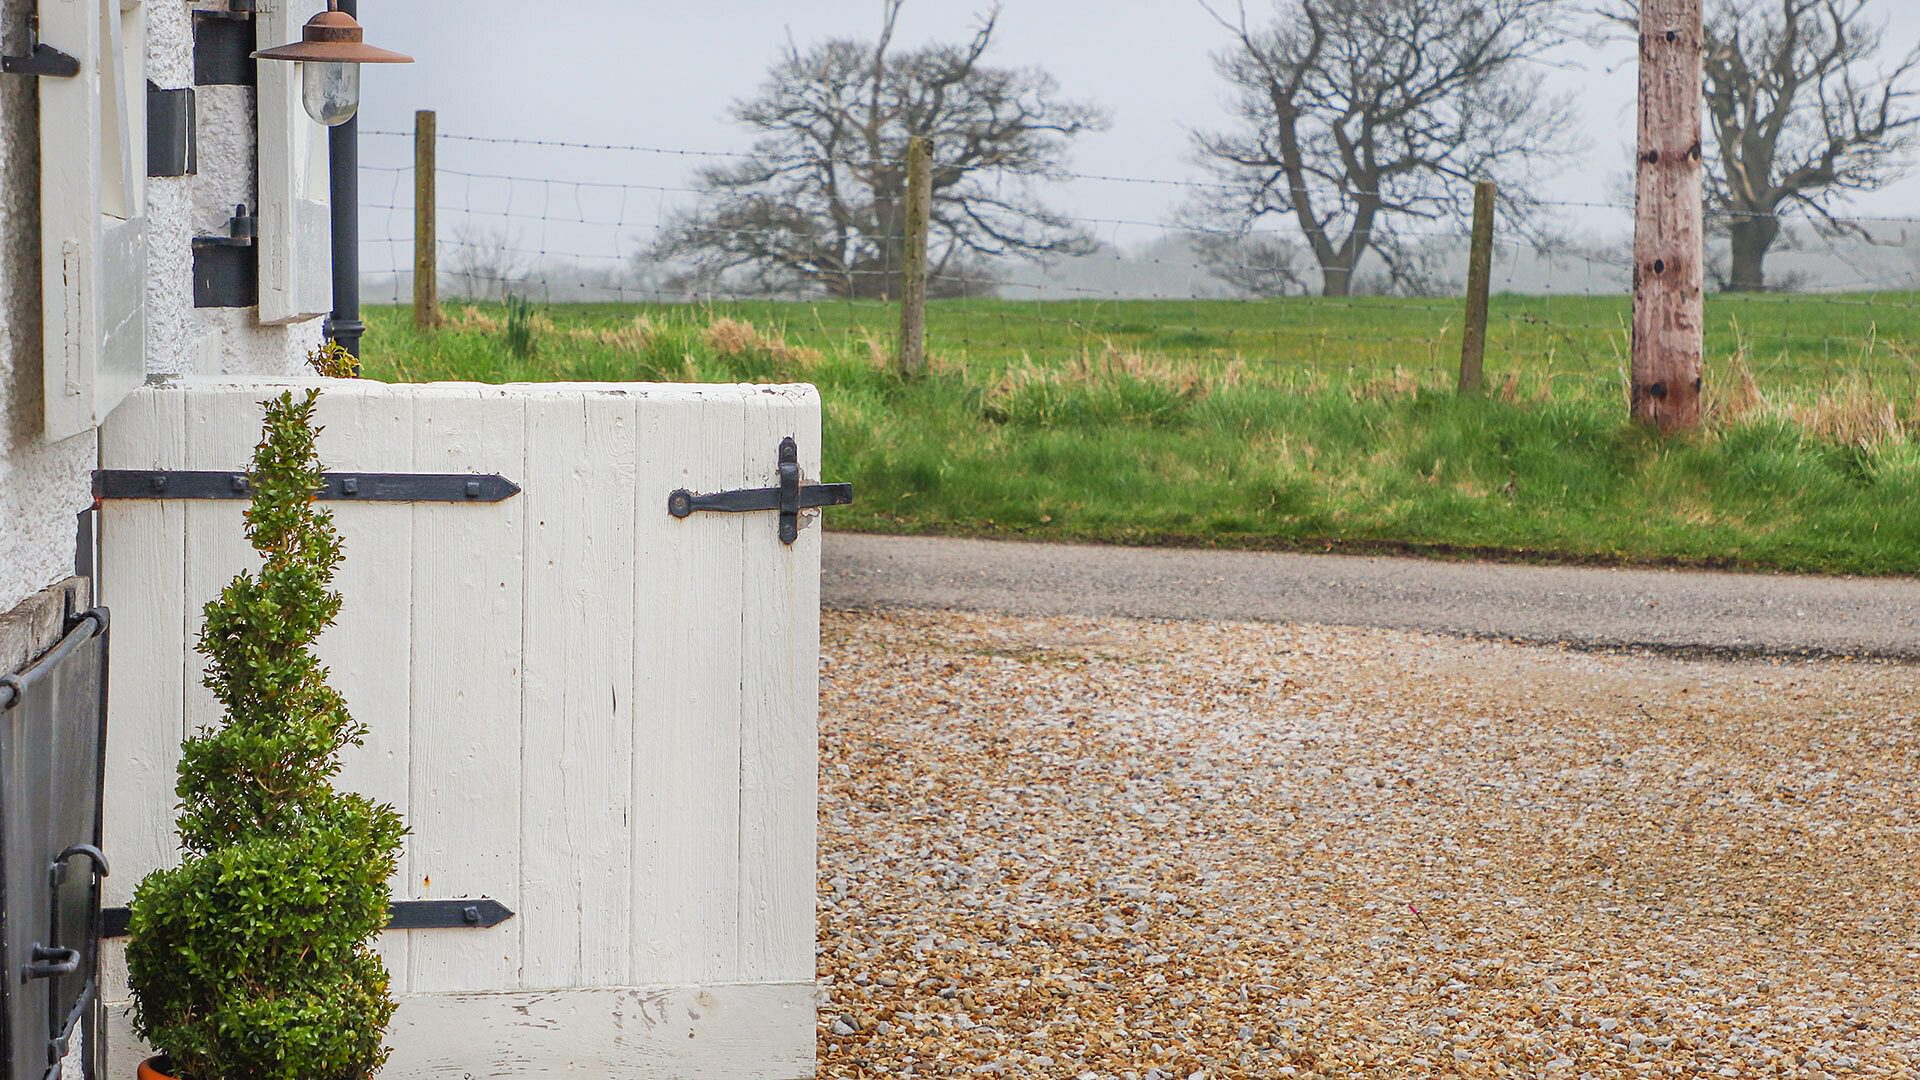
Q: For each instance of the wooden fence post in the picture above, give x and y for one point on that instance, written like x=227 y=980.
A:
x=1473 y=343
x=426 y=260
x=913 y=288
x=1669 y=275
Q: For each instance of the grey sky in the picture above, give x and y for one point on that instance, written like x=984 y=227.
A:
x=663 y=74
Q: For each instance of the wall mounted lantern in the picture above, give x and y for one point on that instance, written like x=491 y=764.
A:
x=330 y=53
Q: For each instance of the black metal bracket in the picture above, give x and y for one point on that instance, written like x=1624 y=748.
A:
x=223 y=46
x=446 y=914
x=789 y=498
x=226 y=269
x=173 y=138
x=44 y=61
x=339 y=486
x=476 y=914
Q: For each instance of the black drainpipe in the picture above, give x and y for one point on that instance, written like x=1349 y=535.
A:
x=343 y=144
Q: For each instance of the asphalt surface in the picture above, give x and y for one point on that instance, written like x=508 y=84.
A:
x=1682 y=612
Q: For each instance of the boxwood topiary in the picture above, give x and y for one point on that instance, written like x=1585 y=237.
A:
x=252 y=959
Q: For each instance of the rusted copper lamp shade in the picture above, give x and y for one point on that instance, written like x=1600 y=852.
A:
x=333 y=37
x=330 y=53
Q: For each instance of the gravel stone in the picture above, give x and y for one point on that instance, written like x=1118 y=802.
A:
x=1062 y=847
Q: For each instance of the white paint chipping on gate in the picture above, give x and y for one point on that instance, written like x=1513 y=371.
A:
x=597 y=714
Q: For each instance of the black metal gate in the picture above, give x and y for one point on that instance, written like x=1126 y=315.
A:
x=52 y=743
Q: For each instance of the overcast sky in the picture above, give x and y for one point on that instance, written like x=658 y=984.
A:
x=663 y=74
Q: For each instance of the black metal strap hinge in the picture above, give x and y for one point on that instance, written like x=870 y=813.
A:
x=173 y=131
x=340 y=486
x=478 y=914
x=223 y=45
x=789 y=498
x=44 y=61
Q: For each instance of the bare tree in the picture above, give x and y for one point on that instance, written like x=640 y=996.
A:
x=1798 y=119
x=1254 y=264
x=485 y=265
x=820 y=200
x=1356 y=118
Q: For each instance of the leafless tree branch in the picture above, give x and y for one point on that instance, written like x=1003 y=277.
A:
x=821 y=201
x=1355 y=117
x=1799 y=116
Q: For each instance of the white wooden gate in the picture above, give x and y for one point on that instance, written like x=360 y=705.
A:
x=597 y=714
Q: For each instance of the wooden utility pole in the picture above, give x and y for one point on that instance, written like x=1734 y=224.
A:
x=913 y=287
x=426 y=249
x=1669 y=244
x=1473 y=343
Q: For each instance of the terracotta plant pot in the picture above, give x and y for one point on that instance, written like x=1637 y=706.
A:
x=154 y=1069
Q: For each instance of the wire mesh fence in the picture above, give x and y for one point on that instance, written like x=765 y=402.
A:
x=555 y=223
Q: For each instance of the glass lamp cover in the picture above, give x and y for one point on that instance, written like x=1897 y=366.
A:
x=331 y=91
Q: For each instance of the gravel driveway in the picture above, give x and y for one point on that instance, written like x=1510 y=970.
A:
x=1062 y=847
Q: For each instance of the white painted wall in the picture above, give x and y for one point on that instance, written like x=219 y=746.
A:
x=42 y=487
x=599 y=715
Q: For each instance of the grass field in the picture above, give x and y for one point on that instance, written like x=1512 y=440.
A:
x=1301 y=424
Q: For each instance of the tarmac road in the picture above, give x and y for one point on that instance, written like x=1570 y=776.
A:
x=1672 y=611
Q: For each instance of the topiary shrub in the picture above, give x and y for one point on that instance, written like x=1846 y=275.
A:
x=252 y=960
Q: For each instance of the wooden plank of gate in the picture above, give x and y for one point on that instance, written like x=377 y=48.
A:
x=467 y=723
x=368 y=427
x=577 y=777
x=780 y=639
x=142 y=574
x=687 y=1033
x=687 y=598
x=223 y=426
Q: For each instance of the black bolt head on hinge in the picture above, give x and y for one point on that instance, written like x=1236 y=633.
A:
x=789 y=498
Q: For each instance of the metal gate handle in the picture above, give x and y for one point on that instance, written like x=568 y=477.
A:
x=50 y=964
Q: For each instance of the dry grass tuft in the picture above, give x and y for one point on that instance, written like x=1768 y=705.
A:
x=633 y=336
x=1189 y=377
x=1510 y=388
x=1855 y=414
x=735 y=338
x=1734 y=393
x=473 y=320
x=879 y=353
x=1387 y=386
x=1111 y=367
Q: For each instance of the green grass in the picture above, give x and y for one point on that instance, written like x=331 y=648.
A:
x=1305 y=424
x=1806 y=340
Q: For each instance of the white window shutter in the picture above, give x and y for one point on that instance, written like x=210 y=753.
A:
x=296 y=226
x=93 y=227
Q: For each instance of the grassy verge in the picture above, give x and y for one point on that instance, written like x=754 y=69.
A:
x=1803 y=467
